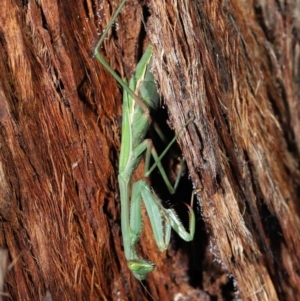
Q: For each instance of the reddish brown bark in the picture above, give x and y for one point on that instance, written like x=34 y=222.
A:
x=234 y=65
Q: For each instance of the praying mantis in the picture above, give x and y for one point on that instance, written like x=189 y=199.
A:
x=139 y=97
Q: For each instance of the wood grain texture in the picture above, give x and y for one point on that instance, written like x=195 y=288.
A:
x=235 y=65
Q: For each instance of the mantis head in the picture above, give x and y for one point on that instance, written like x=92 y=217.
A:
x=140 y=268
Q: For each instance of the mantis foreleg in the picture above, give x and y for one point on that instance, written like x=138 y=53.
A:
x=161 y=219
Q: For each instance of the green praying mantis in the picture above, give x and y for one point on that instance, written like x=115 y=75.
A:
x=139 y=97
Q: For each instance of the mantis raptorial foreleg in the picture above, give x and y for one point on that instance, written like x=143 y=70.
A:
x=138 y=98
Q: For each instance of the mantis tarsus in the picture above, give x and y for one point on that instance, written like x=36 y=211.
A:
x=135 y=124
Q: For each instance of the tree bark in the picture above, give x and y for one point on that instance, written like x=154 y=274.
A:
x=233 y=65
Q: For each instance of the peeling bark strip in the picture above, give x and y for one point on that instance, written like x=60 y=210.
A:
x=234 y=64
x=236 y=68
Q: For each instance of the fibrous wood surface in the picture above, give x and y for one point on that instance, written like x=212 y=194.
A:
x=234 y=65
